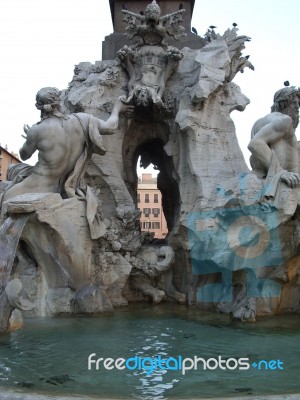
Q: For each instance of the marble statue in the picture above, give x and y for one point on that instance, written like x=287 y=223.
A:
x=61 y=140
x=64 y=144
x=274 y=144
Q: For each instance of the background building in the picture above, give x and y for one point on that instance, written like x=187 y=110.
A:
x=149 y=203
x=6 y=158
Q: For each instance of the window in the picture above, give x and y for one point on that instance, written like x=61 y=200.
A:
x=155 y=225
x=155 y=212
x=155 y=198
x=147 y=198
x=138 y=198
x=146 y=225
x=147 y=211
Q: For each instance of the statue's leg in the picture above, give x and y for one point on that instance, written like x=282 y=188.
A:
x=165 y=284
x=147 y=289
x=32 y=184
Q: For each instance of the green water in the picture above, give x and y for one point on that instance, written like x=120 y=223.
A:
x=50 y=355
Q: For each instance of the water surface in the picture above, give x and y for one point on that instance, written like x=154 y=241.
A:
x=50 y=355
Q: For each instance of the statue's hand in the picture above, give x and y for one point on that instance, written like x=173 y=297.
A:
x=292 y=179
x=126 y=109
x=25 y=129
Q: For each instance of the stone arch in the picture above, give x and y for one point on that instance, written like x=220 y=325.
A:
x=147 y=139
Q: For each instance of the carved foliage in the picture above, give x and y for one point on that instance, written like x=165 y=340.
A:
x=236 y=44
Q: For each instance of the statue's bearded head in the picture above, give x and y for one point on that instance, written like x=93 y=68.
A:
x=287 y=101
x=293 y=111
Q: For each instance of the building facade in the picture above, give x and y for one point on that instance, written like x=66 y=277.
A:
x=150 y=205
x=6 y=158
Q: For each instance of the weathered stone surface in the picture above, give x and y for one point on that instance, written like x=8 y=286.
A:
x=59 y=301
x=14 y=294
x=111 y=272
x=93 y=300
x=31 y=296
x=16 y=320
x=6 y=310
x=3 y=186
x=30 y=202
x=63 y=255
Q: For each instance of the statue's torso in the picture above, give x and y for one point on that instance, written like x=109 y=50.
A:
x=60 y=143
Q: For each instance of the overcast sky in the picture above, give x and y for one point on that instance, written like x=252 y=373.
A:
x=42 y=40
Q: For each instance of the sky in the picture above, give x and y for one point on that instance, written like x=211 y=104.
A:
x=42 y=40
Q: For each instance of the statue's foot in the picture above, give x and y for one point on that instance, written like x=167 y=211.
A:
x=158 y=296
x=244 y=310
x=279 y=275
x=181 y=298
x=158 y=101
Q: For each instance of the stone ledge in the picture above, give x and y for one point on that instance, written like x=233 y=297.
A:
x=11 y=395
x=30 y=202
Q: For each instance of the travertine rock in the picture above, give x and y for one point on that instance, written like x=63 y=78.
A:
x=59 y=300
x=30 y=202
x=16 y=320
x=6 y=311
x=92 y=300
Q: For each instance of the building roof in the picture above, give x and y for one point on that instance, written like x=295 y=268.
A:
x=147 y=186
x=13 y=155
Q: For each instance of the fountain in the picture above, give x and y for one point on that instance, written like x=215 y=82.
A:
x=71 y=242
x=70 y=239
